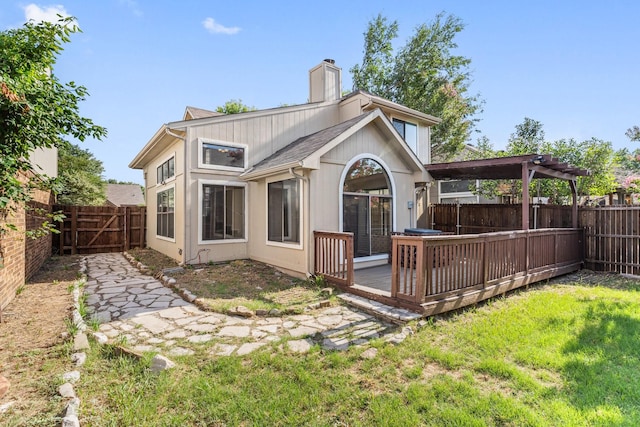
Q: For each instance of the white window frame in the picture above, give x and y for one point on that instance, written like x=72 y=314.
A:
x=392 y=183
x=203 y=165
x=201 y=183
x=175 y=166
x=158 y=191
x=289 y=245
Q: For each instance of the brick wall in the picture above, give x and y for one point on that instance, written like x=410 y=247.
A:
x=12 y=251
x=20 y=256
x=37 y=251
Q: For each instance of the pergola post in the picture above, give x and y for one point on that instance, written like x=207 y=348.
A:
x=525 y=195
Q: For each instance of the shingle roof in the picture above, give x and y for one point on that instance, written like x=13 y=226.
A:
x=303 y=147
x=124 y=195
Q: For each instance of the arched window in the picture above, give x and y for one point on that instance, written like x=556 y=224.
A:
x=367 y=207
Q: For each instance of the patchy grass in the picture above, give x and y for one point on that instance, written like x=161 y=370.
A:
x=226 y=285
x=33 y=352
x=559 y=354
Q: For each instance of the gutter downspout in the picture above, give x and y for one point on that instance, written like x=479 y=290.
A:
x=306 y=236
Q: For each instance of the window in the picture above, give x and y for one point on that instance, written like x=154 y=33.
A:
x=220 y=155
x=222 y=212
x=366 y=208
x=284 y=211
x=457 y=186
x=166 y=170
x=408 y=132
x=165 y=216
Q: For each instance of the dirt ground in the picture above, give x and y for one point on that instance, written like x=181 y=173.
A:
x=242 y=282
x=32 y=350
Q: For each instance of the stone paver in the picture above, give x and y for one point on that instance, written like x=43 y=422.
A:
x=152 y=317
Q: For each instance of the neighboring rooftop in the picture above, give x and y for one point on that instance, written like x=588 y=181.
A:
x=124 y=195
x=192 y=113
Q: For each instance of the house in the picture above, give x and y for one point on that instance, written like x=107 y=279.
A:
x=258 y=184
x=124 y=195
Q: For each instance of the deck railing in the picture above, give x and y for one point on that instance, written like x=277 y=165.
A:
x=436 y=267
x=334 y=256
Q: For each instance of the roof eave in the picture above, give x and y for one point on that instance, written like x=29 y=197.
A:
x=137 y=162
x=252 y=175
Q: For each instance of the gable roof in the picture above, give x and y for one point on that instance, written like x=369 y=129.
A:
x=124 y=195
x=306 y=151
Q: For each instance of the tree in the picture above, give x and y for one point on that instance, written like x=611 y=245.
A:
x=234 y=106
x=79 y=177
x=424 y=75
x=593 y=154
x=36 y=109
x=633 y=133
x=527 y=139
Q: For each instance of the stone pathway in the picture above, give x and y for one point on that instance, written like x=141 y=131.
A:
x=137 y=308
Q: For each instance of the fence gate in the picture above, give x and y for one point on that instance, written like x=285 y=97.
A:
x=612 y=238
x=96 y=229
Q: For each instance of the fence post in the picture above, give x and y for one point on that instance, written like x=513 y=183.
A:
x=74 y=230
x=127 y=229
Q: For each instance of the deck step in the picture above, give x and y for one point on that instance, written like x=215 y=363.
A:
x=375 y=308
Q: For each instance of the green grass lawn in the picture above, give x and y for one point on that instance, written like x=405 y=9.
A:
x=561 y=355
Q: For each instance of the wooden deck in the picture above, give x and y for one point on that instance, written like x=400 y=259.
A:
x=435 y=274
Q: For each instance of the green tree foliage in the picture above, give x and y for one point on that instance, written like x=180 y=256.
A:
x=234 y=106
x=527 y=139
x=593 y=154
x=79 y=177
x=36 y=109
x=628 y=161
x=633 y=133
x=424 y=75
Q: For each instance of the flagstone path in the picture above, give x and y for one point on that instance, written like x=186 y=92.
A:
x=138 y=308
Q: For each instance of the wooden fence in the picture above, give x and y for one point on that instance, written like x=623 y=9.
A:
x=612 y=238
x=489 y=218
x=96 y=229
x=454 y=271
x=612 y=233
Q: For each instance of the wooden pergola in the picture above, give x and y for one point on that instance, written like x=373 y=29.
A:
x=524 y=167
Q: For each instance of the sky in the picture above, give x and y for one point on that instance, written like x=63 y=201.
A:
x=572 y=65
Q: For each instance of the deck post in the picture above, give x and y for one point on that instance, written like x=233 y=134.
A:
x=394 y=267
x=349 y=256
x=525 y=195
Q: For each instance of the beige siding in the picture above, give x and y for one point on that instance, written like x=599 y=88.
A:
x=264 y=135
x=203 y=252
x=174 y=249
x=325 y=183
x=45 y=161
x=287 y=257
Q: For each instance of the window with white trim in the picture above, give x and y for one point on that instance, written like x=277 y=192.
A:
x=408 y=132
x=222 y=155
x=166 y=170
x=223 y=212
x=165 y=214
x=284 y=211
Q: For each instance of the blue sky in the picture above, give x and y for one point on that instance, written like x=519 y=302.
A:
x=572 y=65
